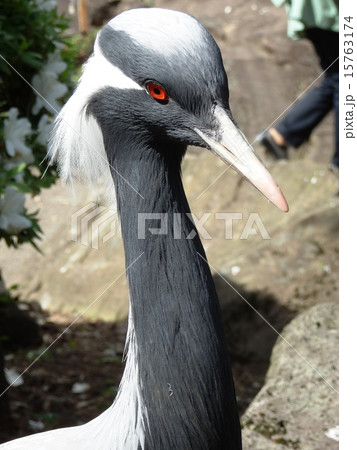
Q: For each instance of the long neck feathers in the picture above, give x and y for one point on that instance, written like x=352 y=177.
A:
x=183 y=372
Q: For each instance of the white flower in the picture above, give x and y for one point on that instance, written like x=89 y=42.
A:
x=12 y=163
x=44 y=129
x=55 y=63
x=12 y=210
x=46 y=5
x=51 y=89
x=47 y=84
x=16 y=131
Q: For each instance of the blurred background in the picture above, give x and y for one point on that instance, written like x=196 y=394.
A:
x=283 y=282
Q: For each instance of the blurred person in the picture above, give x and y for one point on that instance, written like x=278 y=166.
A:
x=316 y=20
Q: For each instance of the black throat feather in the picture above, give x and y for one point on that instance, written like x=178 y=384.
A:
x=184 y=370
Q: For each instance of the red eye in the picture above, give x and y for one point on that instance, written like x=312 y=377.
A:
x=157 y=92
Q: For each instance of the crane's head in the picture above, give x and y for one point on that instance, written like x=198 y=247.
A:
x=156 y=77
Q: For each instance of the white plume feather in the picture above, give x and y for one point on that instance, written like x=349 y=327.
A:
x=77 y=141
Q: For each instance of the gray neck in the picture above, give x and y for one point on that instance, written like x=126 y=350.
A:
x=179 y=355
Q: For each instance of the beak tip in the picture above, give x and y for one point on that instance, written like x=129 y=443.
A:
x=284 y=208
x=281 y=202
x=278 y=199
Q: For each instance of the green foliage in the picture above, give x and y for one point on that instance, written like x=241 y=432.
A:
x=27 y=235
x=27 y=35
x=33 y=46
x=78 y=49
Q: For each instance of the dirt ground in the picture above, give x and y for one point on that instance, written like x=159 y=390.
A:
x=253 y=42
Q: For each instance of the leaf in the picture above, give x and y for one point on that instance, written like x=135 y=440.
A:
x=32 y=59
x=4 y=67
x=17 y=170
x=20 y=187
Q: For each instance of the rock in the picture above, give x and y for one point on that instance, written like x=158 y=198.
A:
x=80 y=388
x=13 y=377
x=298 y=405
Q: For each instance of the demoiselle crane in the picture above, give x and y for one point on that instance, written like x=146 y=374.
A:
x=154 y=85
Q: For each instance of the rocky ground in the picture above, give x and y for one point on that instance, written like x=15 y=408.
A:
x=284 y=284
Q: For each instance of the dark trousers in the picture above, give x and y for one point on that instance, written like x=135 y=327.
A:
x=303 y=117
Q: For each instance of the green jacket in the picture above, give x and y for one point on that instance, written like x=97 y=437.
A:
x=303 y=14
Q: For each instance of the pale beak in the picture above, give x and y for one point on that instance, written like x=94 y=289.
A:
x=232 y=147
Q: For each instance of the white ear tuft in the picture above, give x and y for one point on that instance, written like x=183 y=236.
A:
x=77 y=141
